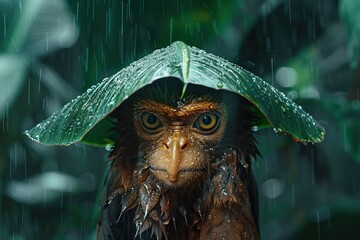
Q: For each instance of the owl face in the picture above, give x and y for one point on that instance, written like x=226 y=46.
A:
x=178 y=142
x=179 y=159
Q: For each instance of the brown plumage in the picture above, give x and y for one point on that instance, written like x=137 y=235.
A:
x=181 y=166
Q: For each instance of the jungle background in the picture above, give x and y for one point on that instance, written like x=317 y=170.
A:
x=51 y=51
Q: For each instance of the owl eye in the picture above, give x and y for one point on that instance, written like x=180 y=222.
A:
x=207 y=122
x=150 y=122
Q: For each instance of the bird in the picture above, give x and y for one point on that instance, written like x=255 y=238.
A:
x=180 y=167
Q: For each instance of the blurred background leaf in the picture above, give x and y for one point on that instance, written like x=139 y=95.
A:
x=51 y=51
x=350 y=14
x=12 y=74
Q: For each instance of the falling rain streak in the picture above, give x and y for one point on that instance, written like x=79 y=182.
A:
x=285 y=42
x=290 y=15
x=40 y=79
x=171 y=30
x=29 y=91
x=4 y=25
x=318 y=224
x=122 y=33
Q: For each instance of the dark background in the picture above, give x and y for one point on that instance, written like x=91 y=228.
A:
x=51 y=51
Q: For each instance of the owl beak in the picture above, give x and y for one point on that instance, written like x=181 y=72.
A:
x=175 y=146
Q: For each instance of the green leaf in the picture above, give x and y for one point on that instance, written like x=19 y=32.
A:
x=73 y=123
x=42 y=27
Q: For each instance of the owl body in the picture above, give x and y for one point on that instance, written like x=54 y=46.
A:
x=180 y=168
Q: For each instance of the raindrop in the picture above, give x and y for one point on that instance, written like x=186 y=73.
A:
x=283 y=108
x=112 y=103
x=108 y=147
x=277 y=130
x=220 y=85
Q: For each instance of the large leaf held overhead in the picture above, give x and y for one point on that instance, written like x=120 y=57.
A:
x=85 y=118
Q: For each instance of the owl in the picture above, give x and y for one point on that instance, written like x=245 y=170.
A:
x=181 y=166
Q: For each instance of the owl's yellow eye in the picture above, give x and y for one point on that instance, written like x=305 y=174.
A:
x=150 y=122
x=207 y=122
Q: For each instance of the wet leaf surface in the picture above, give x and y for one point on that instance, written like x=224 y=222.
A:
x=78 y=117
